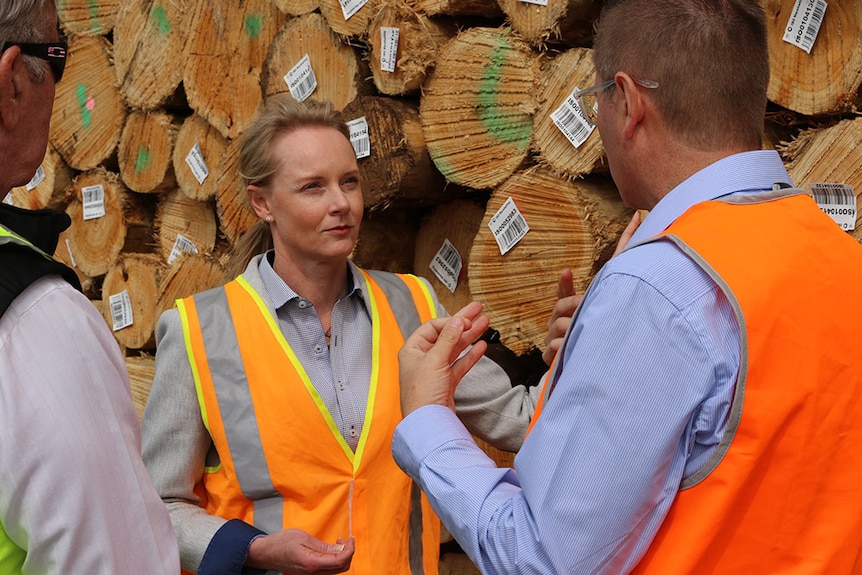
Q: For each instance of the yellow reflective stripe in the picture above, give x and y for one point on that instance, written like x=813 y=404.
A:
x=375 y=372
x=428 y=297
x=184 y=318
x=318 y=401
x=12 y=557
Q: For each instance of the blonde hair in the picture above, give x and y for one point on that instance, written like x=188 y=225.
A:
x=281 y=115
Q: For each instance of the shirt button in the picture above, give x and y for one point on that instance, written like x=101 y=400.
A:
x=341 y=385
x=318 y=349
x=303 y=304
x=352 y=431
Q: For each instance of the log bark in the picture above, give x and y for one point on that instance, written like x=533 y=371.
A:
x=488 y=8
x=145 y=150
x=477 y=107
x=148 y=37
x=95 y=243
x=399 y=170
x=88 y=111
x=225 y=50
x=827 y=80
x=829 y=155
x=572 y=224
x=138 y=275
x=197 y=134
x=235 y=216
x=354 y=27
x=566 y=21
x=50 y=185
x=337 y=67
x=142 y=371
x=458 y=222
x=183 y=224
x=419 y=41
x=88 y=17
x=571 y=70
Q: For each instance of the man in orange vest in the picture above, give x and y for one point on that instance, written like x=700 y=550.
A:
x=704 y=412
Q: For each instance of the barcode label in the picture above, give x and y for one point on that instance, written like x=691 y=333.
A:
x=446 y=265
x=388 y=48
x=804 y=23
x=197 y=164
x=838 y=201
x=351 y=7
x=508 y=226
x=537 y=2
x=572 y=121
x=182 y=245
x=37 y=179
x=301 y=80
x=93 y=200
x=359 y=137
x=121 y=310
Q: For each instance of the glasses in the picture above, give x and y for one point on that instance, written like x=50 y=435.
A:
x=52 y=52
x=588 y=99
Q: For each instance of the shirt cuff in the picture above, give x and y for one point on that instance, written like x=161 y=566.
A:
x=423 y=431
x=228 y=550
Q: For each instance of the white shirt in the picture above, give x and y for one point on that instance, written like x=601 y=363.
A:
x=74 y=492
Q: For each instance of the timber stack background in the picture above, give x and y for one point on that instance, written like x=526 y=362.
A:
x=461 y=125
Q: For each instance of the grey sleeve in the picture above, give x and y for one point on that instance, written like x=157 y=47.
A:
x=494 y=410
x=175 y=442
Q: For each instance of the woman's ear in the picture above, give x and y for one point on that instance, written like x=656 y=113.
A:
x=259 y=201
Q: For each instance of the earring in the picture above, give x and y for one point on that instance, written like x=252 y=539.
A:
x=268 y=219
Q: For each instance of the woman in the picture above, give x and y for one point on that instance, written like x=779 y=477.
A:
x=275 y=396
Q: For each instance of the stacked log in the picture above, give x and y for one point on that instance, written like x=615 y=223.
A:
x=567 y=21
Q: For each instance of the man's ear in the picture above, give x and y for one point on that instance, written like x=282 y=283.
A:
x=258 y=200
x=11 y=78
x=635 y=106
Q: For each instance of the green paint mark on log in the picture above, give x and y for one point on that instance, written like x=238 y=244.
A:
x=253 y=25
x=505 y=125
x=144 y=160
x=160 y=17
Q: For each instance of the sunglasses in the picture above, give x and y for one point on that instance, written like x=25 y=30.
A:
x=52 y=52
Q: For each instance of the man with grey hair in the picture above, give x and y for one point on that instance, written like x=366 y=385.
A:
x=75 y=496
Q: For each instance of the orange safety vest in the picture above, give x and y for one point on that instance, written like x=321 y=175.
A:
x=283 y=462
x=782 y=492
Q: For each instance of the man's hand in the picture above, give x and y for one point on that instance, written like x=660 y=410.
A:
x=295 y=551
x=429 y=364
x=568 y=301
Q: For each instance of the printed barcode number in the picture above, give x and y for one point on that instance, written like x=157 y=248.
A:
x=301 y=80
x=515 y=231
x=570 y=120
x=450 y=255
x=121 y=310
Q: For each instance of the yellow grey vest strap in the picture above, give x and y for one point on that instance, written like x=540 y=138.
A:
x=400 y=300
x=237 y=409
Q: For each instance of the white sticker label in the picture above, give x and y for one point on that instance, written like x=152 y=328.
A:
x=301 y=80
x=446 y=265
x=94 y=201
x=71 y=255
x=182 y=245
x=537 y=2
x=37 y=179
x=359 y=137
x=121 y=310
x=197 y=164
x=572 y=121
x=388 y=48
x=508 y=226
x=838 y=201
x=351 y=7
x=804 y=23
x=8 y=200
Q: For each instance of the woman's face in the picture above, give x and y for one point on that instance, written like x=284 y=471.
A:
x=314 y=198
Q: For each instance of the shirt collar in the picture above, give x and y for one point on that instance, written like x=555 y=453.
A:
x=744 y=172
x=280 y=292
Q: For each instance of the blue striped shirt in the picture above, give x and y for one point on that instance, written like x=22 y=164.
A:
x=641 y=403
